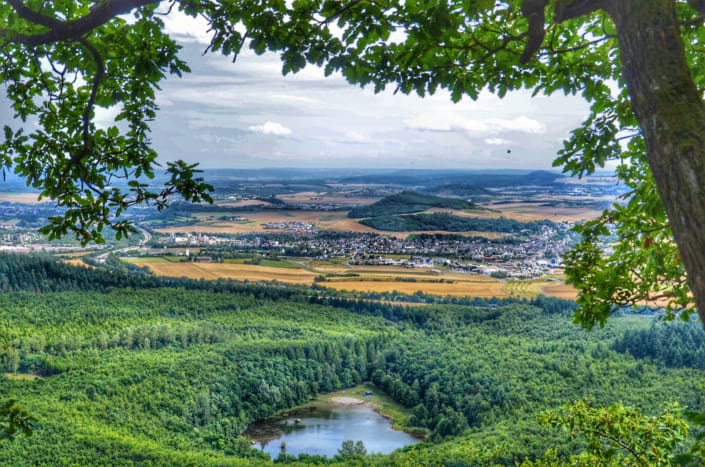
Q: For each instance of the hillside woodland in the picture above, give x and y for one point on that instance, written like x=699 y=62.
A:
x=121 y=368
x=408 y=202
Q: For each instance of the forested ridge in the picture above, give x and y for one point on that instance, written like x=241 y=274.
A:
x=407 y=202
x=122 y=369
x=451 y=223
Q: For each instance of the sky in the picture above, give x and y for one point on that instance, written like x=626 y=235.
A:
x=247 y=115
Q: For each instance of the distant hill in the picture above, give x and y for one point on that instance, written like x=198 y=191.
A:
x=429 y=178
x=543 y=177
x=460 y=190
x=408 y=202
x=450 y=223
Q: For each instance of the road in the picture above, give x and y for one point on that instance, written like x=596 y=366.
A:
x=146 y=237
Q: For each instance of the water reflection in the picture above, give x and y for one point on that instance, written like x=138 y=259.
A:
x=321 y=430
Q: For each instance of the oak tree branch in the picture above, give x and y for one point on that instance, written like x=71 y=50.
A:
x=100 y=14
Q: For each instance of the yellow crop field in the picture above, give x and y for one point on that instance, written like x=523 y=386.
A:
x=345 y=224
x=76 y=262
x=560 y=291
x=471 y=289
x=526 y=212
x=230 y=271
x=525 y=288
x=310 y=197
x=369 y=279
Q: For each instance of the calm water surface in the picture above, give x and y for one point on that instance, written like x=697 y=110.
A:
x=322 y=431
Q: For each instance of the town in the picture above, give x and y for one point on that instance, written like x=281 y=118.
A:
x=525 y=256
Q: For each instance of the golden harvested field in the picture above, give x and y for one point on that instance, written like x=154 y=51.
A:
x=77 y=262
x=382 y=280
x=525 y=288
x=256 y=221
x=471 y=289
x=391 y=272
x=371 y=279
x=230 y=271
x=327 y=268
x=337 y=221
x=527 y=212
x=310 y=197
x=345 y=224
x=560 y=291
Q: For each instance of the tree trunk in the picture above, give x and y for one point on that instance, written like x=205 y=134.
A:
x=671 y=115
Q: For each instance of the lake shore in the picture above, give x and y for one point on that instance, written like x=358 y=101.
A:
x=347 y=400
x=321 y=429
x=371 y=396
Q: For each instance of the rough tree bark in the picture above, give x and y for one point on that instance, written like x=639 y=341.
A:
x=671 y=114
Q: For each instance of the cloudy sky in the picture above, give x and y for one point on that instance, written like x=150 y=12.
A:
x=247 y=115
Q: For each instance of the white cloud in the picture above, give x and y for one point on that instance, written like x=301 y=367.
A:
x=163 y=101
x=490 y=126
x=428 y=122
x=105 y=117
x=357 y=137
x=523 y=124
x=247 y=114
x=292 y=98
x=271 y=128
x=185 y=28
x=496 y=141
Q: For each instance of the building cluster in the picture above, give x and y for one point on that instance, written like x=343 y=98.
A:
x=11 y=235
x=529 y=255
x=296 y=227
x=195 y=239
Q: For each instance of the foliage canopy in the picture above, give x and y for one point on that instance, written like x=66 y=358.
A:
x=168 y=371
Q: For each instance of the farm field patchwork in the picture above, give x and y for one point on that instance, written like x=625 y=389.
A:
x=367 y=278
x=457 y=289
x=527 y=212
x=336 y=221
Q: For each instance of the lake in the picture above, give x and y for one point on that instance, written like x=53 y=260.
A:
x=322 y=430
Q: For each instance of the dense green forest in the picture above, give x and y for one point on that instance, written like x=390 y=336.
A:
x=673 y=344
x=451 y=223
x=407 y=202
x=121 y=368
